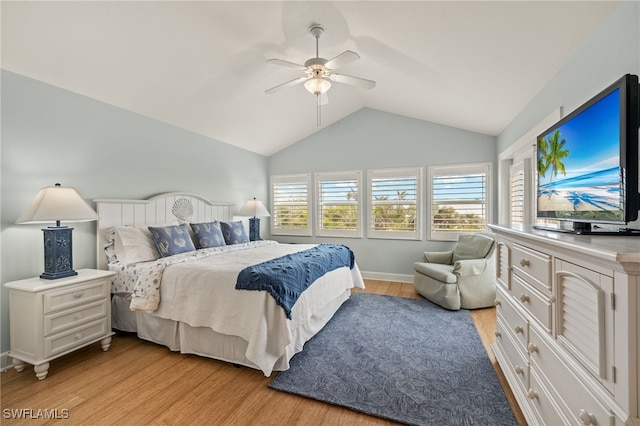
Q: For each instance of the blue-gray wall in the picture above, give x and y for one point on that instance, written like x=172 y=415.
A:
x=371 y=139
x=51 y=135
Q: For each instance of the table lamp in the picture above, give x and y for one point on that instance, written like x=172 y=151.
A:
x=55 y=204
x=254 y=208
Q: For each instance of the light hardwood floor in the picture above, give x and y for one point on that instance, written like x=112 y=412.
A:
x=139 y=383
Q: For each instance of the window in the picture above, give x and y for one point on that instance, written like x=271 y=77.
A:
x=520 y=192
x=339 y=204
x=290 y=206
x=460 y=200
x=394 y=204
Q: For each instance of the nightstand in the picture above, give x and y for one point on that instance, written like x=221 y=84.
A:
x=50 y=318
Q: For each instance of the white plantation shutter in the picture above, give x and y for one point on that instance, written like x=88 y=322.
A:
x=520 y=200
x=459 y=200
x=339 y=204
x=394 y=203
x=290 y=205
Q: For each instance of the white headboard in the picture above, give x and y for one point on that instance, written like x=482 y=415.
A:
x=162 y=208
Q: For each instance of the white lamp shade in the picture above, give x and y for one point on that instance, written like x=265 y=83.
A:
x=55 y=203
x=317 y=86
x=253 y=208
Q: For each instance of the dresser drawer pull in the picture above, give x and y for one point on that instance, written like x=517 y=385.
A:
x=79 y=336
x=532 y=394
x=518 y=329
x=497 y=302
x=524 y=262
x=498 y=334
x=519 y=370
x=524 y=298
x=78 y=295
x=78 y=316
x=532 y=348
x=587 y=418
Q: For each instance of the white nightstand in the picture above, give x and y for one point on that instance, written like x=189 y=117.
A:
x=50 y=318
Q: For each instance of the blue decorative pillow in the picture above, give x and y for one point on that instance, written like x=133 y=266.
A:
x=234 y=232
x=172 y=240
x=208 y=234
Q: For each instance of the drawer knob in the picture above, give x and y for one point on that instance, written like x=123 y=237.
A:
x=524 y=262
x=78 y=295
x=78 y=316
x=498 y=334
x=79 y=335
x=497 y=302
x=519 y=370
x=587 y=418
x=524 y=298
x=532 y=394
x=518 y=329
x=532 y=348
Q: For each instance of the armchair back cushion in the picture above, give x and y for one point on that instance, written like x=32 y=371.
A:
x=472 y=246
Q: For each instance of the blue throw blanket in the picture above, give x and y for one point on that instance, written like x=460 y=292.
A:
x=286 y=277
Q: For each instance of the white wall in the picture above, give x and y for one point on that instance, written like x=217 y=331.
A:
x=51 y=135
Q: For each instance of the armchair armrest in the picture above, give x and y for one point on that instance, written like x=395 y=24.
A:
x=441 y=257
x=469 y=267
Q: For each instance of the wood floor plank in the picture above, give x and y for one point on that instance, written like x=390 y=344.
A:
x=141 y=383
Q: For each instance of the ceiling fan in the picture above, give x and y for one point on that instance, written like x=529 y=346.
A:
x=319 y=72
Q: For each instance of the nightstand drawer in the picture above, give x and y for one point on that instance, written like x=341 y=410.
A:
x=74 y=338
x=533 y=267
x=60 y=321
x=76 y=295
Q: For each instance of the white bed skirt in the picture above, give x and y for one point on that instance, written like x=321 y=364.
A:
x=203 y=341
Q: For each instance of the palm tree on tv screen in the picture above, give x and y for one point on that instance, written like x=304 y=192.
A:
x=551 y=152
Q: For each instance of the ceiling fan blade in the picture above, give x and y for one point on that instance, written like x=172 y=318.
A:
x=287 y=64
x=342 y=59
x=286 y=84
x=354 y=81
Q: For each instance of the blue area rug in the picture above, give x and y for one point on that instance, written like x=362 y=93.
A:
x=405 y=360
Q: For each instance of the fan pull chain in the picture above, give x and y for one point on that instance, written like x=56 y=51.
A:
x=319 y=114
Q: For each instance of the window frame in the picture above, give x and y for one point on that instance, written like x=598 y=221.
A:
x=292 y=179
x=395 y=173
x=459 y=169
x=344 y=176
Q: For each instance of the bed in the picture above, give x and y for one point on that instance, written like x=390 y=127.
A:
x=188 y=301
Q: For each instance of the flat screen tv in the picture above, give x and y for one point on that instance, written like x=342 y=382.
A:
x=587 y=171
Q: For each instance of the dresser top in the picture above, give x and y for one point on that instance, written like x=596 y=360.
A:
x=619 y=249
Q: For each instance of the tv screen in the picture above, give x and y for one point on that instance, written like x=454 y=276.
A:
x=588 y=162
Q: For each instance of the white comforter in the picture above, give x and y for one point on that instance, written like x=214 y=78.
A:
x=202 y=293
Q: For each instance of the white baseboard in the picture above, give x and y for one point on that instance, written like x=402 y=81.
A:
x=6 y=363
x=382 y=276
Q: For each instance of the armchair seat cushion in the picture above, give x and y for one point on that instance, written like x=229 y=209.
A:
x=442 y=273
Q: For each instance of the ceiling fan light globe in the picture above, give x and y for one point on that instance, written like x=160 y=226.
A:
x=317 y=86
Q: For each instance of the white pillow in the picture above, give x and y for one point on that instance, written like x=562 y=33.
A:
x=134 y=244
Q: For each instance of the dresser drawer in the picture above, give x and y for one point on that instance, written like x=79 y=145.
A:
x=518 y=365
x=516 y=324
x=533 y=267
x=579 y=403
x=544 y=403
x=54 y=323
x=75 y=295
x=535 y=303
x=75 y=337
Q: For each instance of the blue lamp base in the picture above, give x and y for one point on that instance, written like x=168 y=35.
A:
x=58 y=261
x=254 y=229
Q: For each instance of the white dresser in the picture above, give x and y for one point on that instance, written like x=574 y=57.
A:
x=568 y=324
x=50 y=318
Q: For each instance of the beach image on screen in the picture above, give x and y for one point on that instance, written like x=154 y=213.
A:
x=579 y=163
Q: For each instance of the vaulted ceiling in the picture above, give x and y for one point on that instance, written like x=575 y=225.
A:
x=202 y=65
